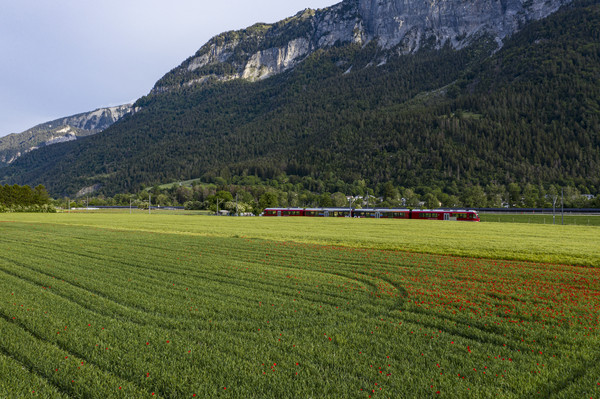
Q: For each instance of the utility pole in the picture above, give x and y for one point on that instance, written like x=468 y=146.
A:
x=562 y=205
x=554 y=199
x=149 y=202
x=350 y=201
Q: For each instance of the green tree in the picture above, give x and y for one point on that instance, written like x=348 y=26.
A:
x=514 y=195
x=224 y=195
x=530 y=195
x=431 y=201
x=268 y=200
x=339 y=200
x=452 y=202
x=183 y=194
x=390 y=192
x=474 y=197
x=162 y=200
x=411 y=199
x=496 y=195
x=542 y=200
x=325 y=200
x=40 y=195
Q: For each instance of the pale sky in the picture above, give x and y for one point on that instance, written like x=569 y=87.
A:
x=63 y=57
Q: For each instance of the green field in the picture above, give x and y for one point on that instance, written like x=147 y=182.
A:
x=569 y=244
x=567 y=219
x=129 y=306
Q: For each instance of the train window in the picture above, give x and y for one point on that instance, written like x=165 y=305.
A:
x=393 y=215
x=426 y=215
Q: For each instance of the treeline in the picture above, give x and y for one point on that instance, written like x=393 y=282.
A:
x=17 y=198
x=251 y=195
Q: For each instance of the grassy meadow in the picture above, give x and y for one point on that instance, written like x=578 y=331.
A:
x=173 y=306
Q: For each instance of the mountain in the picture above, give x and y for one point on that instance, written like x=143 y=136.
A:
x=58 y=131
x=402 y=26
x=388 y=91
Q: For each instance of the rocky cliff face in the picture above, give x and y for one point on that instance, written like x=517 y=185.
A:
x=96 y=120
x=408 y=22
x=397 y=26
x=59 y=131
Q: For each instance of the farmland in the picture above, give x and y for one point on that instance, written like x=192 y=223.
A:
x=182 y=306
x=570 y=244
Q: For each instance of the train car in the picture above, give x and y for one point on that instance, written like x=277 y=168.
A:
x=366 y=213
x=394 y=213
x=311 y=212
x=381 y=213
x=443 y=214
x=428 y=214
x=337 y=212
x=284 y=212
x=469 y=216
x=328 y=212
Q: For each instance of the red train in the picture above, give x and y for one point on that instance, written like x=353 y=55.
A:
x=377 y=213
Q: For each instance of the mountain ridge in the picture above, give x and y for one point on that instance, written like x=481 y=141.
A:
x=397 y=26
x=59 y=130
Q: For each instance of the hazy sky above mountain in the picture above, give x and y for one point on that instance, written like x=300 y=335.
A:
x=63 y=57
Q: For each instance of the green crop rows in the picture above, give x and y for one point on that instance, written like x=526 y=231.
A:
x=91 y=312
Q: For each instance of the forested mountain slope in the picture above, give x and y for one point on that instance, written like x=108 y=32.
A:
x=529 y=112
